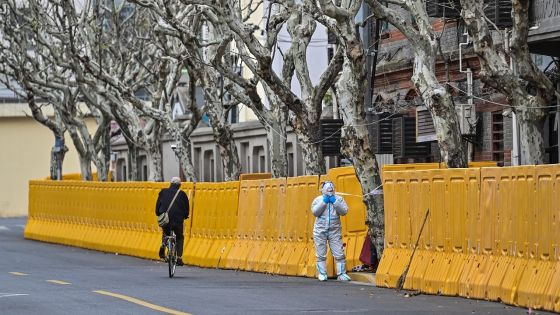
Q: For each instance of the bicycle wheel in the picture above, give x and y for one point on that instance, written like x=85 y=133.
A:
x=171 y=257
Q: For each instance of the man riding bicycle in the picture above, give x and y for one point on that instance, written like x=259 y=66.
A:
x=178 y=212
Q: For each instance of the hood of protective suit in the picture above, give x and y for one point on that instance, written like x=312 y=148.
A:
x=328 y=188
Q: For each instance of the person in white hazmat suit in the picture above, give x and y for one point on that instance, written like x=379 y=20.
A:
x=327 y=209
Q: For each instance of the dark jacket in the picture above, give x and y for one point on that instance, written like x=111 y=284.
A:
x=180 y=209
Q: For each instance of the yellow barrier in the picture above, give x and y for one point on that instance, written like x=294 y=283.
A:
x=261 y=224
x=492 y=233
x=78 y=176
x=300 y=192
x=255 y=176
x=354 y=227
x=111 y=217
x=275 y=240
x=431 y=166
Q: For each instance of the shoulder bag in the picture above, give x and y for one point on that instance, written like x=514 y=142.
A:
x=163 y=219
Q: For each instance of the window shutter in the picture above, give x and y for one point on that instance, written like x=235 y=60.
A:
x=425 y=130
x=330 y=133
x=380 y=133
x=404 y=139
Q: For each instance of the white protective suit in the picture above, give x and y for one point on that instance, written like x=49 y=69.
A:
x=327 y=228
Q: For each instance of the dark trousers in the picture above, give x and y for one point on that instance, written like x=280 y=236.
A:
x=178 y=229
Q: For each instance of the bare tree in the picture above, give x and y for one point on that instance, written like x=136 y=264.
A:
x=183 y=22
x=35 y=54
x=424 y=40
x=530 y=90
x=306 y=108
x=273 y=117
x=351 y=90
x=130 y=56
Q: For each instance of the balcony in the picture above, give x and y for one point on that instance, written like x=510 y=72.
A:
x=544 y=35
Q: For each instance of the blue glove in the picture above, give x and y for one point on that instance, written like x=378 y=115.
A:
x=326 y=199
x=332 y=199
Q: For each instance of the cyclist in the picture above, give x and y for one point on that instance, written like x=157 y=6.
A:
x=178 y=212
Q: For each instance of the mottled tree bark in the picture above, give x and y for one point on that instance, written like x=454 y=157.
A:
x=351 y=88
x=424 y=41
x=275 y=126
x=132 y=162
x=497 y=72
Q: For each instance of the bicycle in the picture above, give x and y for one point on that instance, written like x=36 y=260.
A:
x=171 y=253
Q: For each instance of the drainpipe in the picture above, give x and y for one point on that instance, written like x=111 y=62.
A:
x=470 y=104
x=515 y=153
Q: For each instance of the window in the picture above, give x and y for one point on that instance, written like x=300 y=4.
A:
x=290 y=164
x=262 y=164
x=258 y=159
x=144 y=172
x=208 y=165
x=498 y=136
x=124 y=173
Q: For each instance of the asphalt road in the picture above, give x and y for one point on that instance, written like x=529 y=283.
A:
x=41 y=278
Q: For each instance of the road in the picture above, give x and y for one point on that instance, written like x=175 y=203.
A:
x=41 y=278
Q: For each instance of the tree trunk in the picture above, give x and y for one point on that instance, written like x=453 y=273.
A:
x=85 y=167
x=309 y=139
x=438 y=101
x=228 y=151
x=132 y=162
x=221 y=131
x=355 y=144
x=57 y=158
x=276 y=140
x=154 y=156
x=184 y=150
x=103 y=160
x=85 y=156
x=155 y=173
x=102 y=169
x=531 y=132
x=313 y=161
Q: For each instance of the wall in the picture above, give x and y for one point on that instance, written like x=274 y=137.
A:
x=25 y=148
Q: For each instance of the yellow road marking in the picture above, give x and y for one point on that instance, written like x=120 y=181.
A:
x=58 y=282
x=142 y=303
x=15 y=273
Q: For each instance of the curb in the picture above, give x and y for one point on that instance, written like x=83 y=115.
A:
x=365 y=277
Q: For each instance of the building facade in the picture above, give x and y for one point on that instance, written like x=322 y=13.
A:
x=26 y=153
x=487 y=122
